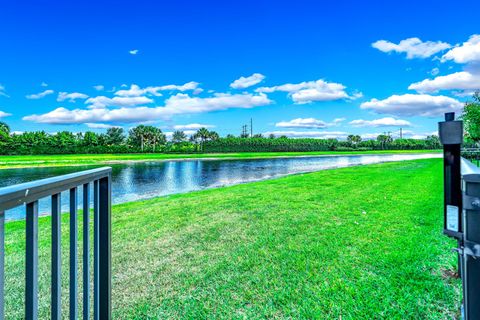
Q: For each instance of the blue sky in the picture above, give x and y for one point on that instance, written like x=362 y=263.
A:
x=309 y=68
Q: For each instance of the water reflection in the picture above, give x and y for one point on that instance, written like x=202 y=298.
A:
x=142 y=180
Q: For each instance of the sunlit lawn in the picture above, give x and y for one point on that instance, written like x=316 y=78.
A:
x=357 y=243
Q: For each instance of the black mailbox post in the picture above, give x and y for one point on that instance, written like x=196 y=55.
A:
x=451 y=136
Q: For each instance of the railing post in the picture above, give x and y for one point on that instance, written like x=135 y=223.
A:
x=86 y=251
x=73 y=254
x=31 y=262
x=2 y=265
x=105 y=309
x=56 y=257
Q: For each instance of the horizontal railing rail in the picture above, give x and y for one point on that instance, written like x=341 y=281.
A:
x=29 y=194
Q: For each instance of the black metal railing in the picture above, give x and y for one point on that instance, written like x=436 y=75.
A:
x=29 y=194
x=472 y=154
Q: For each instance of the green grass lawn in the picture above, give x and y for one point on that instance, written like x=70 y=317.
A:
x=355 y=243
x=85 y=159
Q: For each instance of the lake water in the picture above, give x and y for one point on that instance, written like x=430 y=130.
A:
x=143 y=180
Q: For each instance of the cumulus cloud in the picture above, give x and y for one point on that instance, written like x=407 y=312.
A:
x=434 y=71
x=462 y=80
x=72 y=97
x=40 y=95
x=44 y=84
x=192 y=126
x=302 y=123
x=310 y=91
x=383 y=122
x=99 y=87
x=4 y=114
x=413 y=47
x=414 y=105
x=467 y=52
x=178 y=104
x=133 y=52
x=135 y=90
x=103 y=102
x=245 y=82
x=309 y=134
x=100 y=125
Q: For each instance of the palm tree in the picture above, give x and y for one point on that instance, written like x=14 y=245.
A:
x=179 y=136
x=137 y=135
x=202 y=134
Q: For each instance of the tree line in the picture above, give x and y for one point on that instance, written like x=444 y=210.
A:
x=146 y=139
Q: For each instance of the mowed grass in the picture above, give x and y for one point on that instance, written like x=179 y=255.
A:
x=355 y=243
x=86 y=159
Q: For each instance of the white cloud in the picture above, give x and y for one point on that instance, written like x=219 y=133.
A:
x=463 y=80
x=413 y=47
x=383 y=122
x=44 y=84
x=40 y=95
x=434 y=71
x=192 y=126
x=309 y=91
x=72 y=97
x=136 y=91
x=245 y=82
x=178 y=104
x=103 y=102
x=133 y=52
x=414 y=105
x=467 y=52
x=309 y=134
x=99 y=87
x=337 y=121
x=4 y=114
x=302 y=123
x=100 y=125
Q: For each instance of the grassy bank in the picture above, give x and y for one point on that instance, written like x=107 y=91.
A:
x=86 y=159
x=357 y=243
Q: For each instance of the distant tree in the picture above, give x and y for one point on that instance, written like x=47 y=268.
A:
x=354 y=139
x=384 y=140
x=230 y=136
x=213 y=136
x=90 y=139
x=271 y=136
x=258 y=135
x=5 y=128
x=4 y=132
x=283 y=137
x=433 y=142
x=155 y=136
x=203 y=135
x=471 y=118
x=179 y=136
x=115 y=136
x=137 y=136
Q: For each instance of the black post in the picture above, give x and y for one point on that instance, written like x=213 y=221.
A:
x=451 y=136
x=471 y=247
x=105 y=303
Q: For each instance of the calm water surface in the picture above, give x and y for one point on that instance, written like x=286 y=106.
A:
x=143 y=180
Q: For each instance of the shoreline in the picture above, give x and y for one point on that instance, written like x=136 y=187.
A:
x=136 y=158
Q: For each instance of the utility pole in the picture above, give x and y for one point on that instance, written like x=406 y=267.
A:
x=251 y=128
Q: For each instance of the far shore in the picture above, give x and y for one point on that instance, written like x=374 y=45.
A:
x=29 y=161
